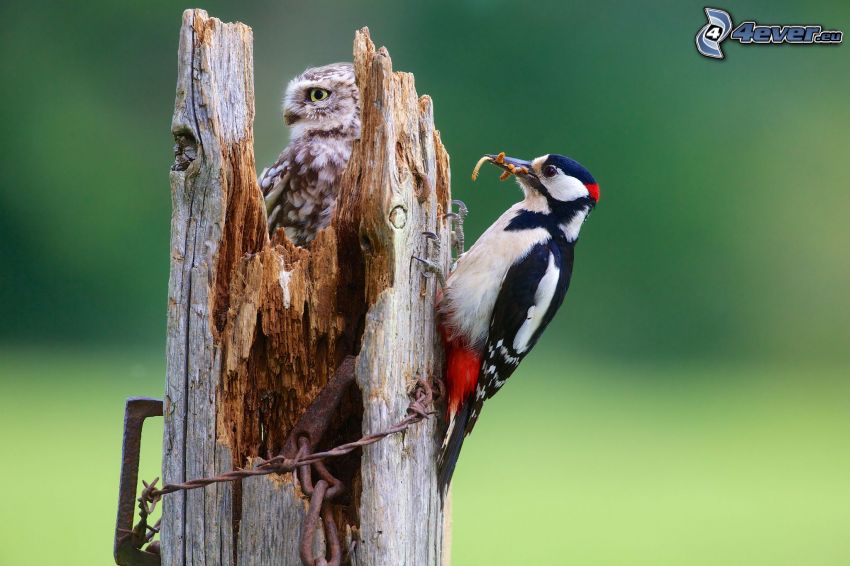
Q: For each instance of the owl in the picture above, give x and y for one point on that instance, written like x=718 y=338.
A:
x=322 y=108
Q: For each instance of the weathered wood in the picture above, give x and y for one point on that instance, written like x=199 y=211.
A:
x=212 y=125
x=396 y=163
x=256 y=329
x=272 y=515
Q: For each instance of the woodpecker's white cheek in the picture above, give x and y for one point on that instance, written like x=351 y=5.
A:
x=542 y=300
x=565 y=188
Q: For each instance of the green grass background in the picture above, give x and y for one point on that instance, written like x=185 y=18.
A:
x=688 y=406
x=609 y=464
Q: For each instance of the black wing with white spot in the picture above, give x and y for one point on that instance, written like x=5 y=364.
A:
x=531 y=293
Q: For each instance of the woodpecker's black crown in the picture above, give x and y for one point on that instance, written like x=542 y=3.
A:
x=569 y=166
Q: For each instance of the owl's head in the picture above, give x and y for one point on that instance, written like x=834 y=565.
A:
x=323 y=99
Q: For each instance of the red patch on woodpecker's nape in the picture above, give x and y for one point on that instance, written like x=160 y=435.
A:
x=593 y=189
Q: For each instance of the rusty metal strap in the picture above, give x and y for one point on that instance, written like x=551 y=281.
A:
x=129 y=539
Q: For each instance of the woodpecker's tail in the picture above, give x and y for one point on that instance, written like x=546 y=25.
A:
x=450 y=450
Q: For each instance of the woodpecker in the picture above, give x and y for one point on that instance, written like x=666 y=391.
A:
x=505 y=290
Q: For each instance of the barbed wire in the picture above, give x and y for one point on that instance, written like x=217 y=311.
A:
x=325 y=489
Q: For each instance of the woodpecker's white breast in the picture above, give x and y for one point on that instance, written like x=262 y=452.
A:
x=472 y=288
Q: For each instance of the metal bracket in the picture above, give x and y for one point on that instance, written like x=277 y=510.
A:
x=302 y=440
x=128 y=539
x=315 y=421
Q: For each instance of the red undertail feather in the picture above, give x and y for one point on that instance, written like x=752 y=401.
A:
x=462 y=367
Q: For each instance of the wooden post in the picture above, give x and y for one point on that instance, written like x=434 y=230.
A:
x=256 y=328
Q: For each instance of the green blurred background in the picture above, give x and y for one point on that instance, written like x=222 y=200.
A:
x=690 y=404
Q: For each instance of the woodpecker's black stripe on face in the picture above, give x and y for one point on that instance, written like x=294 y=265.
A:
x=512 y=310
x=561 y=213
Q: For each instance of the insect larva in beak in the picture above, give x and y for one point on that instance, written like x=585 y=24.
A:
x=478 y=165
x=504 y=175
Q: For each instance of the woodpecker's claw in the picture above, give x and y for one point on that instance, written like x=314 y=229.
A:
x=433 y=238
x=457 y=219
x=430 y=266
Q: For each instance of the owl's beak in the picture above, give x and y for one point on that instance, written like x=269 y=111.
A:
x=289 y=118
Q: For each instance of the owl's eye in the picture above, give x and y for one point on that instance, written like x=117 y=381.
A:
x=550 y=171
x=318 y=94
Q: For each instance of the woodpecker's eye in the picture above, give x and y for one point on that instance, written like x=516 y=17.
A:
x=318 y=94
x=550 y=171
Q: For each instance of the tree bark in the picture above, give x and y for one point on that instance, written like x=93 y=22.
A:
x=257 y=326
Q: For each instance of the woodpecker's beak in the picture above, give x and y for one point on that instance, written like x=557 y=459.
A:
x=518 y=167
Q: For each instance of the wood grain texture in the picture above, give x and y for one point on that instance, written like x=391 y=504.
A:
x=396 y=163
x=210 y=180
x=272 y=513
x=255 y=330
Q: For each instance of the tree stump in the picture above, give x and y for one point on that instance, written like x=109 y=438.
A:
x=257 y=326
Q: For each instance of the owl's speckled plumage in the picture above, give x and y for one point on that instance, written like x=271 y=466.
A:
x=301 y=187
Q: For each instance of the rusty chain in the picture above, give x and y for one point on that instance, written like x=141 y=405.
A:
x=303 y=464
